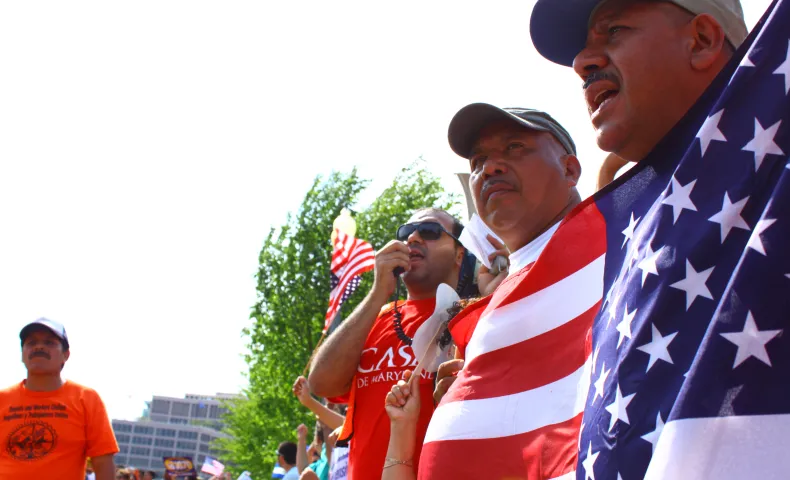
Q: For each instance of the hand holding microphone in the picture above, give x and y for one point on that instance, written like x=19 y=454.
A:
x=391 y=261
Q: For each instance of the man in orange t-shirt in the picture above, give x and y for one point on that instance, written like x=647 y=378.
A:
x=50 y=427
x=371 y=349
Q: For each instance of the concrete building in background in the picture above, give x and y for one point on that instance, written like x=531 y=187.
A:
x=171 y=427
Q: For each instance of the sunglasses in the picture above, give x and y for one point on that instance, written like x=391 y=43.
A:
x=427 y=231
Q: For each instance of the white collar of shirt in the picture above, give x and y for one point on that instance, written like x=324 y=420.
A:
x=531 y=251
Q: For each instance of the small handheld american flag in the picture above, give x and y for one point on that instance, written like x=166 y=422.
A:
x=351 y=257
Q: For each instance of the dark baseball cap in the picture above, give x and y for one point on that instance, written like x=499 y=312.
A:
x=559 y=27
x=57 y=329
x=466 y=125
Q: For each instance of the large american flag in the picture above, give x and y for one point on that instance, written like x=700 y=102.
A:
x=515 y=409
x=691 y=349
x=351 y=257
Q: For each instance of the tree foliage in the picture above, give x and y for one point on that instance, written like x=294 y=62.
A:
x=293 y=291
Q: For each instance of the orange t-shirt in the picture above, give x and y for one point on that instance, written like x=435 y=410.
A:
x=383 y=361
x=51 y=434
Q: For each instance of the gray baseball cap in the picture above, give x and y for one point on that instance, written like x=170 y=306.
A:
x=57 y=329
x=559 y=27
x=466 y=125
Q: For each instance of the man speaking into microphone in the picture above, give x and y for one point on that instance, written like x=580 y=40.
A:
x=371 y=349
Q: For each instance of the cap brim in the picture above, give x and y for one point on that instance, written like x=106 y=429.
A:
x=31 y=327
x=559 y=28
x=466 y=125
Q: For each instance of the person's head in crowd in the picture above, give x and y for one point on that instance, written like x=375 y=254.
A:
x=523 y=167
x=643 y=63
x=435 y=254
x=45 y=348
x=123 y=474
x=149 y=475
x=286 y=455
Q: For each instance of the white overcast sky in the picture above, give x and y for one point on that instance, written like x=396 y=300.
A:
x=147 y=147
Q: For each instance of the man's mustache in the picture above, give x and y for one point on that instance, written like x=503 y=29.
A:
x=39 y=354
x=492 y=182
x=600 y=75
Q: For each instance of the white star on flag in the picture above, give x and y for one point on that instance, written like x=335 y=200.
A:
x=629 y=230
x=784 y=69
x=624 y=327
x=710 y=131
x=600 y=383
x=618 y=408
x=653 y=436
x=755 y=242
x=595 y=357
x=730 y=216
x=649 y=264
x=680 y=199
x=751 y=342
x=589 y=463
x=694 y=284
x=763 y=143
x=613 y=304
x=657 y=348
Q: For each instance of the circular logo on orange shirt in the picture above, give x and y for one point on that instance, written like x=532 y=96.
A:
x=31 y=441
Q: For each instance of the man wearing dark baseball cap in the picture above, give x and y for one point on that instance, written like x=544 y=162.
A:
x=51 y=426
x=677 y=87
x=643 y=63
x=559 y=27
x=512 y=410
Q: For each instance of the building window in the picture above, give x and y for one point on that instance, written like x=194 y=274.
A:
x=185 y=454
x=199 y=410
x=142 y=441
x=165 y=432
x=138 y=462
x=204 y=448
x=121 y=427
x=188 y=435
x=141 y=451
x=213 y=411
x=122 y=438
x=205 y=438
x=160 y=406
x=158 y=452
x=161 y=442
x=179 y=421
x=180 y=409
x=143 y=430
x=188 y=445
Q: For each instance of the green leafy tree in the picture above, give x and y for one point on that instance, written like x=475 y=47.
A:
x=293 y=290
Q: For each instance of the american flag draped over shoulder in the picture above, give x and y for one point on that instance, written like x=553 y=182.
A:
x=691 y=349
x=515 y=409
x=351 y=257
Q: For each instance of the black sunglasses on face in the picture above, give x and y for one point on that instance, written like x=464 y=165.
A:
x=427 y=230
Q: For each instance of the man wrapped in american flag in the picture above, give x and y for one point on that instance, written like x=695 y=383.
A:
x=691 y=350
x=515 y=408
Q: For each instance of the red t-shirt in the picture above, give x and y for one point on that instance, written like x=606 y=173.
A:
x=49 y=435
x=383 y=361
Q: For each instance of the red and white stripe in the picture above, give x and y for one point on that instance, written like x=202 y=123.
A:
x=350 y=257
x=516 y=407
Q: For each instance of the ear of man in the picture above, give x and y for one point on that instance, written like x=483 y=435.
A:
x=573 y=169
x=709 y=47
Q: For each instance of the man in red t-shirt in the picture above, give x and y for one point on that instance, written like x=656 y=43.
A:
x=371 y=349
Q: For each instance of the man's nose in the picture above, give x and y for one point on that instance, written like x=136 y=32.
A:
x=590 y=59
x=494 y=165
x=414 y=237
